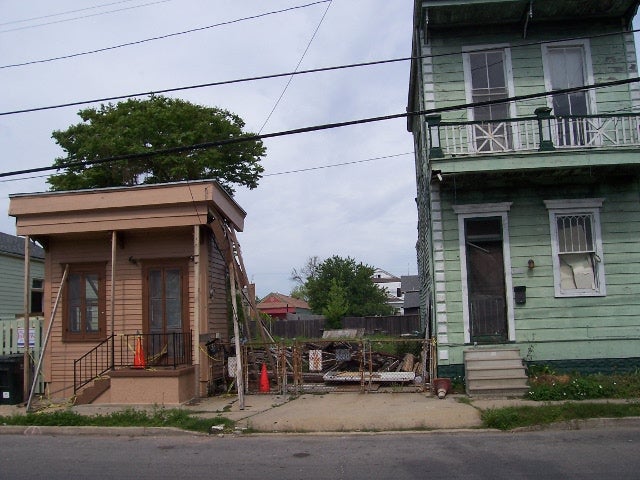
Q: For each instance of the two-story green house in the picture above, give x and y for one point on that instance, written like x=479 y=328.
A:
x=528 y=175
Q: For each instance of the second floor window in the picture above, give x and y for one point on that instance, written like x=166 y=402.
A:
x=567 y=66
x=487 y=79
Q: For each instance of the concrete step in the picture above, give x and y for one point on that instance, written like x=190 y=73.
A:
x=499 y=392
x=491 y=363
x=93 y=391
x=495 y=372
x=478 y=374
x=492 y=354
x=496 y=383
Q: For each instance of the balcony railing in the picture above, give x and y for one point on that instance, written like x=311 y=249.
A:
x=540 y=132
x=159 y=350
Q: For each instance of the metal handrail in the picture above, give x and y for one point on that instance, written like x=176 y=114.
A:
x=160 y=350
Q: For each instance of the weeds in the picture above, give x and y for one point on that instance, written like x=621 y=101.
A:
x=546 y=385
x=524 y=416
x=159 y=417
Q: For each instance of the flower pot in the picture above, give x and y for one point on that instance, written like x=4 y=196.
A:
x=441 y=386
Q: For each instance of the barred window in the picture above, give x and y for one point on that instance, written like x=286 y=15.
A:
x=576 y=247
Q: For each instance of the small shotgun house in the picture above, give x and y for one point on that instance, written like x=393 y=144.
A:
x=145 y=266
x=528 y=177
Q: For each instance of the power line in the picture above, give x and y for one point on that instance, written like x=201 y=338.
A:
x=284 y=90
x=161 y=37
x=66 y=13
x=332 y=165
x=316 y=128
x=278 y=75
x=76 y=18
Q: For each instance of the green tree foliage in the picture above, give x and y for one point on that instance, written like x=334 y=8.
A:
x=157 y=123
x=361 y=295
x=337 y=305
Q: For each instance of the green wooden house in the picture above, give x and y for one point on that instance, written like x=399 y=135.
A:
x=526 y=124
x=12 y=277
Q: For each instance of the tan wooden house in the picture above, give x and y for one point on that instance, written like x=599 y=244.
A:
x=145 y=267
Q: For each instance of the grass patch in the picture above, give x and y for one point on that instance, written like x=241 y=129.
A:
x=546 y=385
x=159 y=417
x=525 y=416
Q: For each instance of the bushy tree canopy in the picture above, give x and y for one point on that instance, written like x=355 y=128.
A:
x=341 y=285
x=157 y=123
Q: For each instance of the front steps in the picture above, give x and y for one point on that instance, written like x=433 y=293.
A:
x=495 y=372
x=93 y=391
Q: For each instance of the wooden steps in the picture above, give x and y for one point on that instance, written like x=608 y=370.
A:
x=495 y=372
x=93 y=391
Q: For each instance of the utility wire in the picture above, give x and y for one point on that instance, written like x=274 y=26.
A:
x=75 y=18
x=284 y=90
x=332 y=165
x=67 y=12
x=315 y=128
x=278 y=75
x=161 y=37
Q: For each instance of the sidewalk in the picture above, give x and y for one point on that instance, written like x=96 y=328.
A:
x=325 y=413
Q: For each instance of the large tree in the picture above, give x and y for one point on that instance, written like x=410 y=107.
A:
x=157 y=123
x=341 y=285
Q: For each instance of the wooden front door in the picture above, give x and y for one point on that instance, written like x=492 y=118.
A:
x=486 y=280
x=166 y=309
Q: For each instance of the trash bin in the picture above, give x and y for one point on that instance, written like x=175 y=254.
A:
x=11 y=379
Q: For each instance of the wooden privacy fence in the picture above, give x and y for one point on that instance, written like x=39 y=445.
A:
x=12 y=338
x=394 y=325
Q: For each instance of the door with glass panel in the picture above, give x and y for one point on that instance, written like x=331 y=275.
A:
x=488 y=77
x=165 y=313
x=567 y=70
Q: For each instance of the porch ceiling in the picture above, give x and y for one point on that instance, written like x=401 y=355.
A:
x=540 y=177
x=457 y=13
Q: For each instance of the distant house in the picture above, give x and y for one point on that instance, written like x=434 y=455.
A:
x=410 y=289
x=146 y=266
x=12 y=278
x=392 y=285
x=277 y=305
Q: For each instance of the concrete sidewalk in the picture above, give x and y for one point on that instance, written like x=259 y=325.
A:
x=333 y=412
x=326 y=413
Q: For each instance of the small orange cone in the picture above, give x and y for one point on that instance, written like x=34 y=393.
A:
x=264 y=380
x=138 y=359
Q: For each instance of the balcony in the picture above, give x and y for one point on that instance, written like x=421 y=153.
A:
x=481 y=145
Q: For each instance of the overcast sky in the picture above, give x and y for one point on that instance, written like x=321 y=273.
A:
x=364 y=210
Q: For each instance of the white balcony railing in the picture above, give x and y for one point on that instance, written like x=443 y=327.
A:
x=523 y=134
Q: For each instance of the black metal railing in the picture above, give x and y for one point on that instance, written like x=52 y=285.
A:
x=158 y=350
x=94 y=363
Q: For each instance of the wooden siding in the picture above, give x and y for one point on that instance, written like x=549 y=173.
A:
x=218 y=315
x=12 y=283
x=128 y=319
x=608 y=54
x=558 y=328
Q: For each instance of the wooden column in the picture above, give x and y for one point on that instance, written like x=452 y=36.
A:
x=26 y=323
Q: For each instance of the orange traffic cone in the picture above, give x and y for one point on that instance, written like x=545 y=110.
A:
x=138 y=359
x=264 y=380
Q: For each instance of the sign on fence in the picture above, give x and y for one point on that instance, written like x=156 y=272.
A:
x=32 y=337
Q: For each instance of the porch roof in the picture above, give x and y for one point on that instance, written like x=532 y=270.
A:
x=124 y=208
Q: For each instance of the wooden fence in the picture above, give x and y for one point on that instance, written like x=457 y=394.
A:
x=395 y=325
x=12 y=338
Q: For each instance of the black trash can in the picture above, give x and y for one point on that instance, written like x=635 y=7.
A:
x=11 y=379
